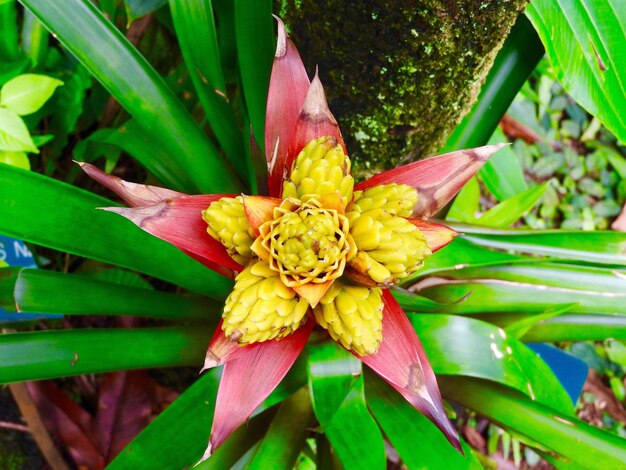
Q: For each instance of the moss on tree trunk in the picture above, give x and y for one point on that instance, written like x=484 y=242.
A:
x=399 y=75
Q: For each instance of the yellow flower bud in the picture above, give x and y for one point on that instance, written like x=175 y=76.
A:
x=387 y=240
x=396 y=199
x=227 y=223
x=320 y=169
x=261 y=307
x=353 y=316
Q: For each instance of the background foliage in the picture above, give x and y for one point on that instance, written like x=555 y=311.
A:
x=168 y=93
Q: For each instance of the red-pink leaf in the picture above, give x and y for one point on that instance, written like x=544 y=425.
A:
x=179 y=222
x=437 y=235
x=401 y=361
x=315 y=120
x=221 y=349
x=70 y=423
x=287 y=90
x=135 y=195
x=250 y=378
x=437 y=179
x=128 y=402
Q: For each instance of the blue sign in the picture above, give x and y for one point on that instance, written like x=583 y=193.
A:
x=15 y=253
x=569 y=369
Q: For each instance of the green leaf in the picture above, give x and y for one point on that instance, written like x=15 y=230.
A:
x=464 y=346
x=417 y=440
x=236 y=446
x=578 y=328
x=510 y=210
x=616 y=351
x=593 y=247
x=26 y=93
x=286 y=436
x=518 y=57
x=494 y=295
x=584 y=43
x=194 y=163
x=47 y=212
x=38 y=355
x=38 y=291
x=332 y=371
x=8 y=70
x=568 y=436
x=68 y=105
x=14 y=136
x=17 y=159
x=336 y=385
x=34 y=39
x=254 y=30
x=131 y=138
x=569 y=276
x=466 y=204
x=9 y=50
x=178 y=436
x=195 y=28
x=521 y=327
x=462 y=253
x=503 y=174
x=618 y=162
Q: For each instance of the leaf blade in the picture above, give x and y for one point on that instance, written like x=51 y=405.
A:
x=193 y=161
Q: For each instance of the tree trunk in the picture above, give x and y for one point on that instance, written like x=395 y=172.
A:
x=399 y=75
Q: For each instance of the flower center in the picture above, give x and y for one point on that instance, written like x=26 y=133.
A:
x=306 y=242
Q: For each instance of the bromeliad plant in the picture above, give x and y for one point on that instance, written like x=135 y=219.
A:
x=316 y=250
x=522 y=285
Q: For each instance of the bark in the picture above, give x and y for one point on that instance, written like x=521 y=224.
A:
x=399 y=75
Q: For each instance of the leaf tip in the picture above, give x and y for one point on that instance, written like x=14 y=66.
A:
x=207 y=453
x=484 y=153
x=315 y=106
x=281 y=42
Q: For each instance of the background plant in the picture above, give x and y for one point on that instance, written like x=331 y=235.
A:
x=174 y=127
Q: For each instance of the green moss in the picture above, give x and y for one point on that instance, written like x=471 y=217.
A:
x=399 y=75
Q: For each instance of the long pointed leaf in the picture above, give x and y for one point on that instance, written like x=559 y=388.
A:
x=136 y=195
x=401 y=361
x=595 y=247
x=50 y=354
x=511 y=209
x=578 y=328
x=314 y=120
x=286 y=436
x=493 y=296
x=250 y=378
x=287 y=91
x=583 y=41
x=578 y=441
x=336 y=385
x=9 y=50
x=412 y=435
x=482 y=350
x=520 y=53
x=437 y=179
x=255 y=47
x=47 y=212
x=193 y=161
x=179 y=221
x=38 y=291
x=195 y=28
